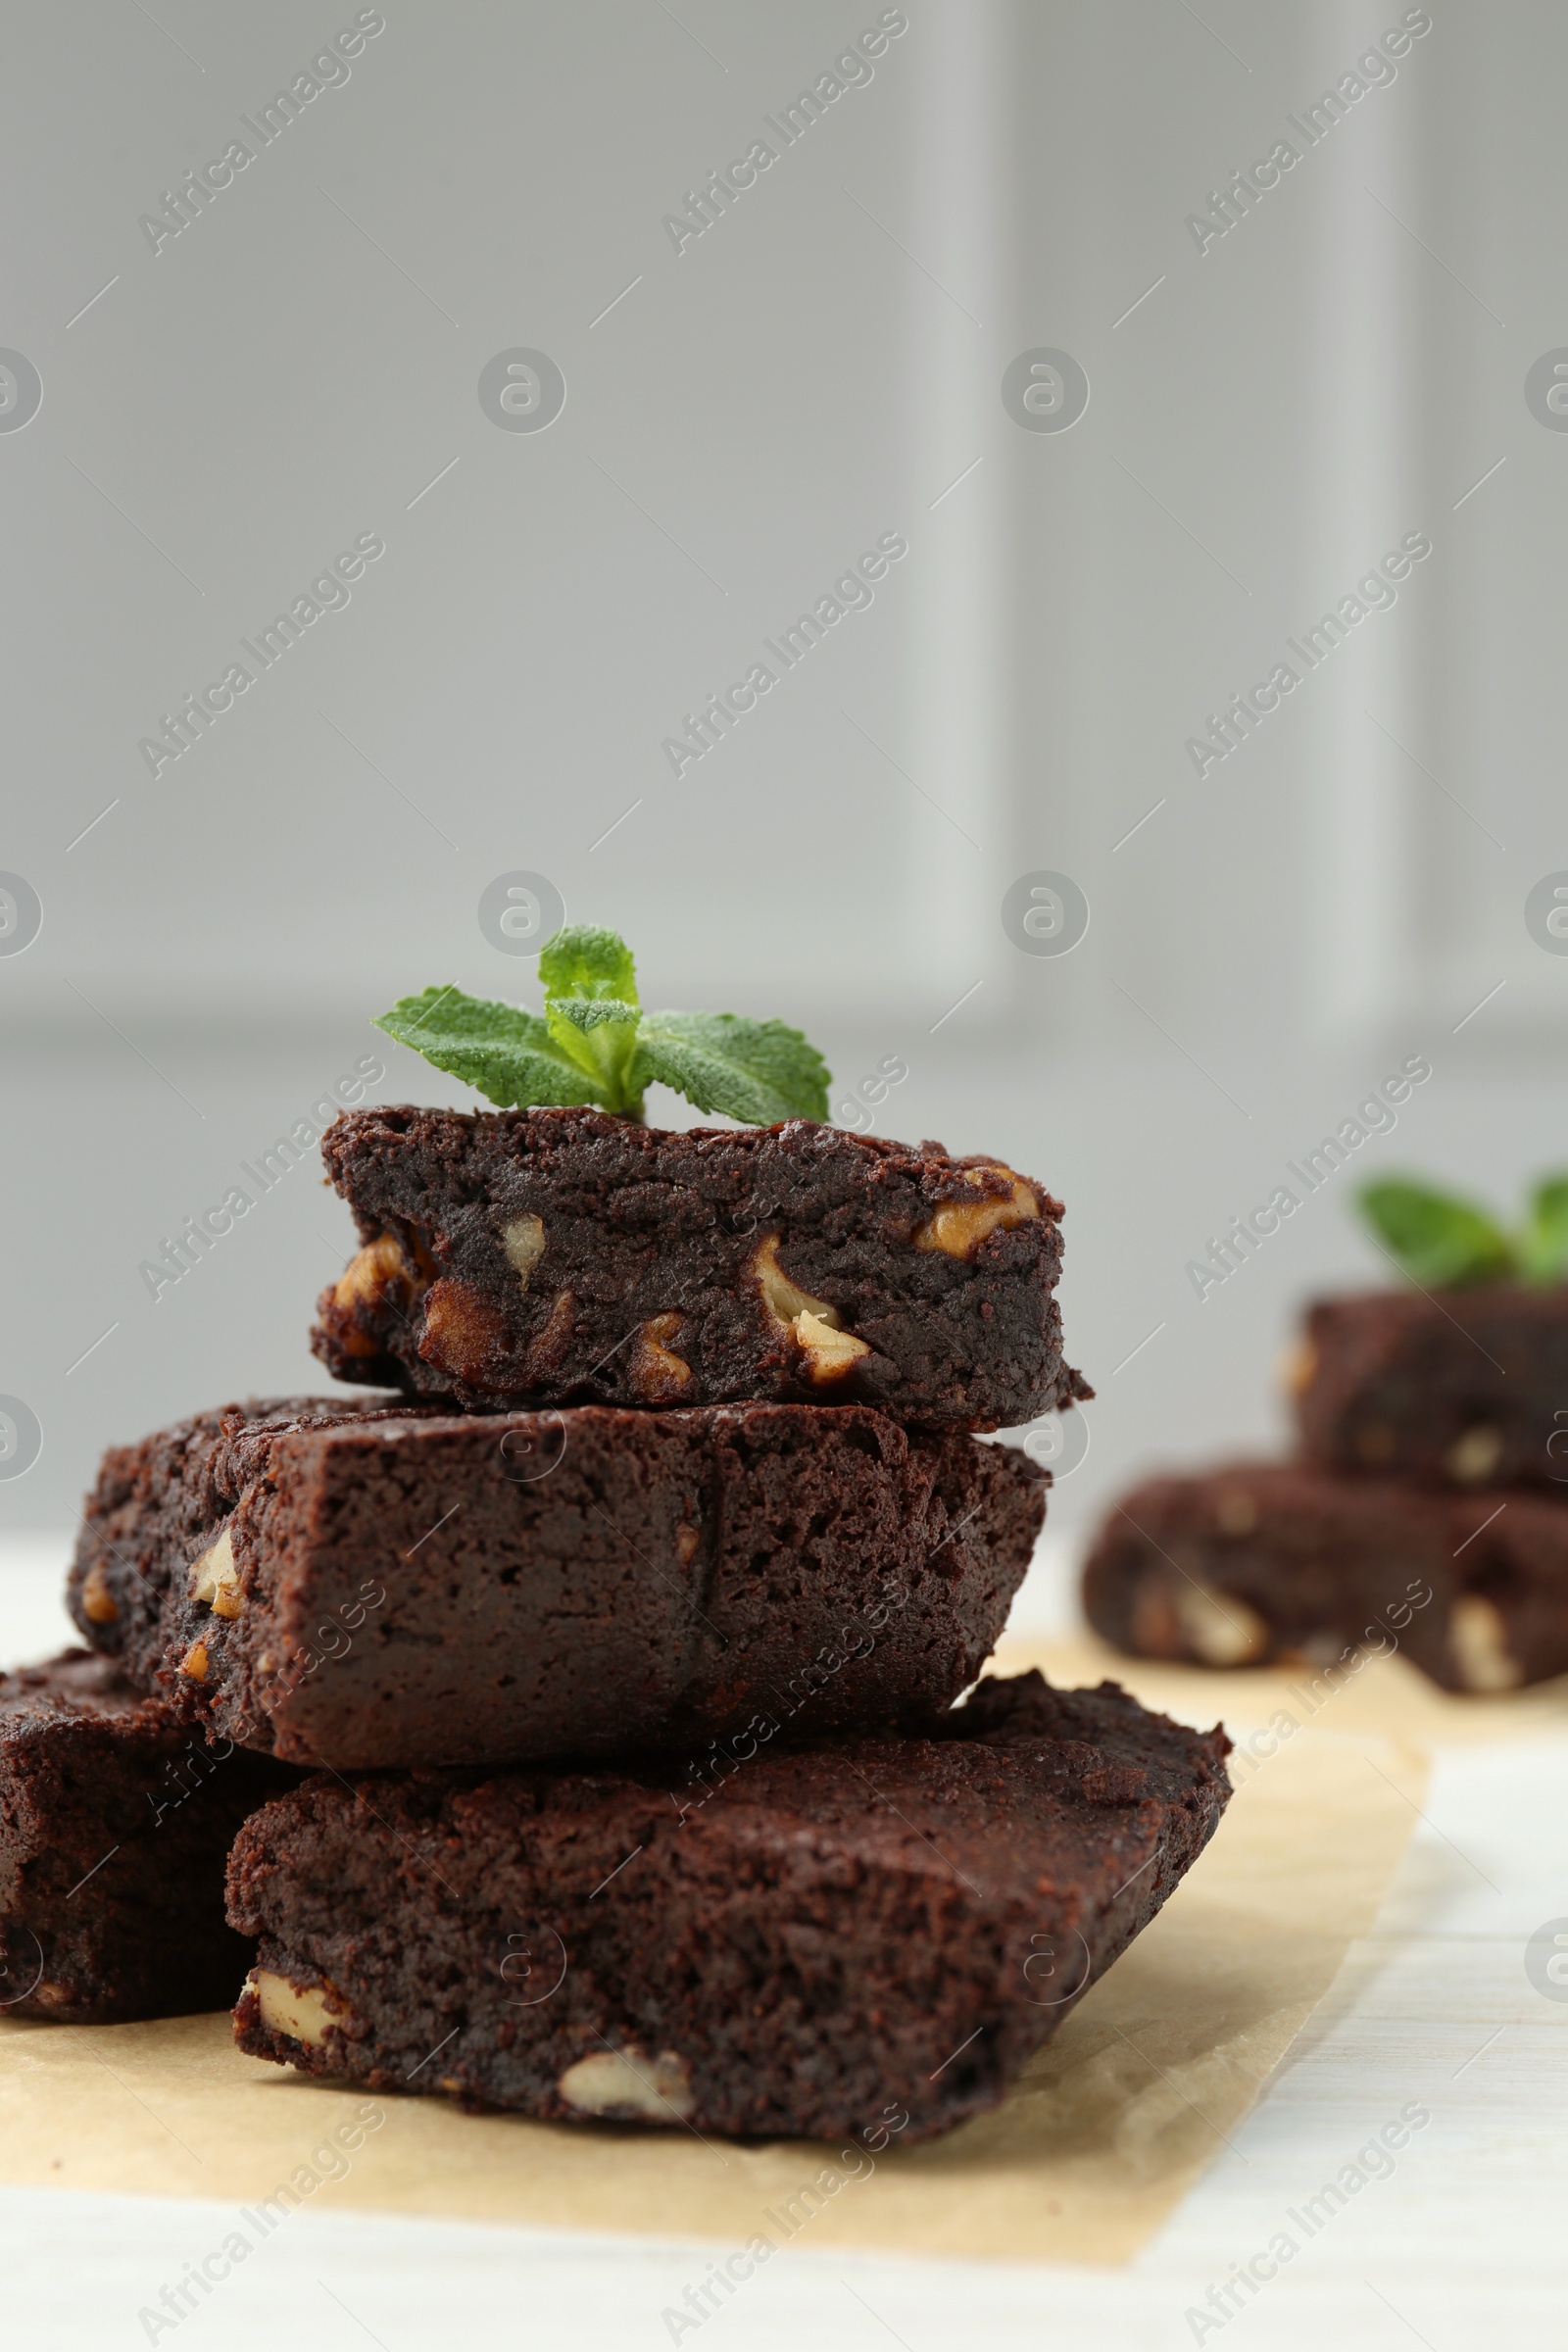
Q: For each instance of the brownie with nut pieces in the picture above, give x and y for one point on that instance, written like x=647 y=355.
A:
x=556 y=1256
x=380 y=1583
x=870 y=1935
x=1255 y=1561
x=114 y=1828
x=1468 y=1389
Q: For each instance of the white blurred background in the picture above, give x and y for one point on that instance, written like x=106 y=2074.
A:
x=1268 y=417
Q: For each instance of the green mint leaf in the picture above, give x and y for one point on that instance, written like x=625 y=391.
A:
x=509 y=1055
x=599 y=1034
x=758 y=1071
x=594 y=1044
x=1543 y=1245
x=1438 y=1240
x=582 y=960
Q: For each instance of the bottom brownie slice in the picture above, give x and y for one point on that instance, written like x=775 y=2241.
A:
x=828 y=1936
x=115 y=1821
x=1261 y=1560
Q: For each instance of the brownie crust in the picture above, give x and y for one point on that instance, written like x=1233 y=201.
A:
x=834 y=1932
x=558 y=1256
x=392 y=1586
x=1256 y=1562
x=116 y=1823
x=1468 y=1389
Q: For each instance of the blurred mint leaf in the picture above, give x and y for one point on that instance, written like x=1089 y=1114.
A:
x=1438 y=1238
x=757 y=1071
x=509 y=1054
x=1542 y=1245
x=594 y=1043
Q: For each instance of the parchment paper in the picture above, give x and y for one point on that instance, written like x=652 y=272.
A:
x=1147 y=2080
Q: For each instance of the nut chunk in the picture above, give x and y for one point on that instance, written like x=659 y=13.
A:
x=958 y=1227
x=215 y=1577
x=807 y=1265
x=827 y=1935
x=659 y=1373
x=379 y=1282
x=816 y=1327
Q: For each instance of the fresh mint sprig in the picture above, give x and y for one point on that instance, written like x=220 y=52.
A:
x=1441 y=1240
x=594 y=1043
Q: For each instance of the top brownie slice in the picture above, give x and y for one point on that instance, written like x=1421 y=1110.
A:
x=561 y=1255
x=1468 y=1389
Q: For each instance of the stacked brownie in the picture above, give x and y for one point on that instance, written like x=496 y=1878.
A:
x=115 y=1825
x=1427 y=1509
x=606 y=1668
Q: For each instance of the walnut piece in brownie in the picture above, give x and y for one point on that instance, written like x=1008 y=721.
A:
x=1261 y=1560
x=836 y=1932
x=560 y=1255
x=1469 y=1390
x=388 y=1585
x=116 y=1823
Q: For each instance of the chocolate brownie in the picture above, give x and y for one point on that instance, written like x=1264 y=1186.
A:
x=833 y=1938
x=1469 y=1387
x=115 y=1825
x=564 y=1257
x=1260 y=1560
x=377 y=1586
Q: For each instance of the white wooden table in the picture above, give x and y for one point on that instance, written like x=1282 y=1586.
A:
x=1465 y=2241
